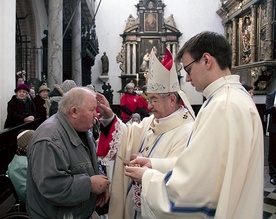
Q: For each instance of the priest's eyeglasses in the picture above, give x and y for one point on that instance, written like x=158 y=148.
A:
x=186 y=67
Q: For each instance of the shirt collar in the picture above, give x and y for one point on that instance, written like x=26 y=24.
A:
x=214 y=86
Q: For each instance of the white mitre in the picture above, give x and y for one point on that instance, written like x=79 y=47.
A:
x=162 y=78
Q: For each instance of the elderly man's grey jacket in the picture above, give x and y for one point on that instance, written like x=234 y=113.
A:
x=59 y=170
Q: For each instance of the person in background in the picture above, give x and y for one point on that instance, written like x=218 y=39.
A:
x=20 y=81
x=62 y=176
x=56 y=94
x=271 y=110
x=162 y=135
x=142 y=103
x=135 y=118
x=32 y=93
x=249 y=89
x=42 y=102
x=17 y=169
x=128 y=103
x=21 y=77
x=220 y=173
x=20 y=108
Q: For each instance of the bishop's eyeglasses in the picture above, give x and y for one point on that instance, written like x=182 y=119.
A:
x=155 y=100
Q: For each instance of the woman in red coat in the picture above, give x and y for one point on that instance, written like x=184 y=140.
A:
x=128 y=103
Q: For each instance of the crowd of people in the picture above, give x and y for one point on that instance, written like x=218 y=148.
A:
x=26 y=105
x=169 y=163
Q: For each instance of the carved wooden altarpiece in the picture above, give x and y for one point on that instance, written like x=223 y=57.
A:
x=249 y=25
x=150 y=30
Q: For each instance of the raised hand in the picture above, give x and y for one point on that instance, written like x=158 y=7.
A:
x=103 y=106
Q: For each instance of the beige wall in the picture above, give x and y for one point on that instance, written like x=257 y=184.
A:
x=7 y=55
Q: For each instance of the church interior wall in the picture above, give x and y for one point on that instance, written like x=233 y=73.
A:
x=110 y=23
x=41 y=22
x=7 y=55
x=191 y=17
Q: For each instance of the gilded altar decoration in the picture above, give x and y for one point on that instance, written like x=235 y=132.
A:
x=149 y=30
x=249 y=26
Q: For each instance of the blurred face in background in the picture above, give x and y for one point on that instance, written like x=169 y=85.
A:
x=136 y=120
x=44 y=94
x=32 y=93
x=21 y=94
x=20 y=81
x=129 y=90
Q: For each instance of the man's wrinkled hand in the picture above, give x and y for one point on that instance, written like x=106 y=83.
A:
x=102 y=198
x=99 y=184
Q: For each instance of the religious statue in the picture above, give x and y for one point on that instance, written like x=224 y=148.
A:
x=145 y=63
x=131 y=21
x=170 y=21
x=246 y=36
x=120 y=58
x=105 y=64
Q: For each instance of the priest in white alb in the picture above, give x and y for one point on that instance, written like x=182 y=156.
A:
x=220 y=173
